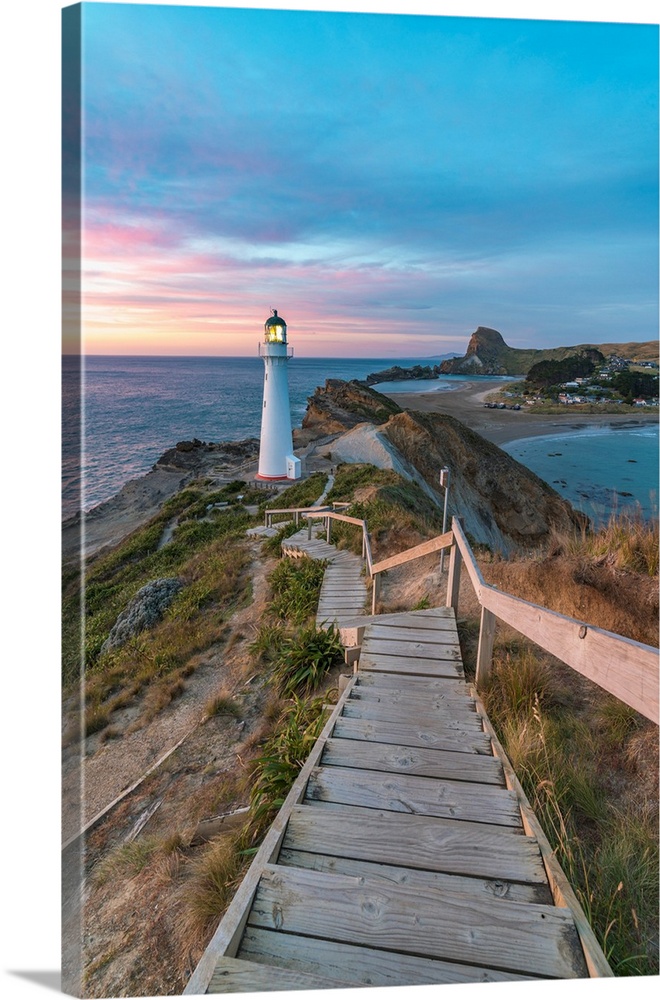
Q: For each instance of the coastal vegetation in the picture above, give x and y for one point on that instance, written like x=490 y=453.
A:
x=588 y=763
x=292 y=676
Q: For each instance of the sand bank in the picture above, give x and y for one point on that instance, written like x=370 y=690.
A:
x=501 y=426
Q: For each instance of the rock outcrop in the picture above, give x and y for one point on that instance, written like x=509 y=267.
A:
x=398 y=374
x=502 y=503
x=340 y=405
x=145 y=609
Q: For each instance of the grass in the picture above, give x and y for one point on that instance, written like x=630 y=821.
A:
x=301 y=494
x=609 y=854
x=627 y=542
x=210 y=559
x=275 y=770
x=295 y=584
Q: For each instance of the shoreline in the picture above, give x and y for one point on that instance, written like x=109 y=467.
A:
x=505 y=426
x=140 y=498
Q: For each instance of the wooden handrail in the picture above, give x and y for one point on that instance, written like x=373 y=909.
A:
x=296 y=511
x=623 y=667
x=433 y=545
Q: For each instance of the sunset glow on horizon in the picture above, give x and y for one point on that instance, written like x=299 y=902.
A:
x=387 y=182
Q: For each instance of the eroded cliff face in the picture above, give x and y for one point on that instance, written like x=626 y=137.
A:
x=337 y=406
x=501 y=503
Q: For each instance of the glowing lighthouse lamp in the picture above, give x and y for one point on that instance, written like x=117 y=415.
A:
x=276 y=458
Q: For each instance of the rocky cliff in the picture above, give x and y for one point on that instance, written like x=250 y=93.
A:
x=337 y=406
x=501 y=502
x=488 y=354
x=398 y=374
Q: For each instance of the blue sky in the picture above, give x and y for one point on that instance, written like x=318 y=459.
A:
x=387 y=182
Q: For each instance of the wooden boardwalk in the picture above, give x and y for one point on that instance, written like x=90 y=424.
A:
x=343 y=591
x=401 y=855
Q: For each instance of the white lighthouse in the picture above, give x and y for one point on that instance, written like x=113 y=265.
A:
x=276 y=458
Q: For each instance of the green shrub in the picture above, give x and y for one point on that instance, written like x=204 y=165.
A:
x=305 y=658
x=296 y=584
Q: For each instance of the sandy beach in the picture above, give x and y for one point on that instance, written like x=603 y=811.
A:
x=502 y=426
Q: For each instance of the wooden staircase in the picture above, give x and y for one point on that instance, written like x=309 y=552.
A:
x=402 y=854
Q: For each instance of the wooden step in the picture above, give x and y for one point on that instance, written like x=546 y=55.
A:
x=521 y=937
x=412 y=794
x=436 y=719
x=425 y=842
x=395 y=758
x=362 y=966
x=414 y=734
x=233 y=975
x=451 y=666
x=477 y=888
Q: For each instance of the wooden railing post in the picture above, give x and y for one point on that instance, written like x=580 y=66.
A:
x=328 y=530
x=375 y=593
x=454 y=577
x=296 y=518
x=309 y=529
x=485 y=650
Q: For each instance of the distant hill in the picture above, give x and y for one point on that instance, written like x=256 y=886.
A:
x=489 y=354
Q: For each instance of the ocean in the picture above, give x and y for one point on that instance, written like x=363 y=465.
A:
x=135 y=408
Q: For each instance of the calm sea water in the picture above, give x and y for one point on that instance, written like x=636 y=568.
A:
x=598 y=470
x=134 y=409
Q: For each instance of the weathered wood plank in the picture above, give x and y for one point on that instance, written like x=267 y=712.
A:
x=450 y=667
x=233 y=975
x=409 y=650
x=413 y=734
x=361 y=966
x=393 y=758
x=447 y=686
x=438 y=719
x=458 y=704
x=428 y=616
x=523 y=937
x=477 y=887
x=411 y=794
x=471 y=566
x=430 y=843
x=411 y=633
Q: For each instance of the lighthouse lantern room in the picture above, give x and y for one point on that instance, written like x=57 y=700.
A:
x=276 y=458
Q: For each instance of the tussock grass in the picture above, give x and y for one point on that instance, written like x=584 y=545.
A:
x=296 y=584
x=305 y=658
x=626 y=542
x=609 y=854
x=275 y=770
x=156 y=662
x=302 y=494
x=127 y=861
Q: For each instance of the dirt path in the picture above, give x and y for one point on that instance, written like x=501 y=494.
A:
x=110 y=768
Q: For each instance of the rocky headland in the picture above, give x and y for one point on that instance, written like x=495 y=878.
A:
x=488 y=354
x=502 y=503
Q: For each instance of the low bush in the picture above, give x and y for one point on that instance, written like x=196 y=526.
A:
x=305 y=658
